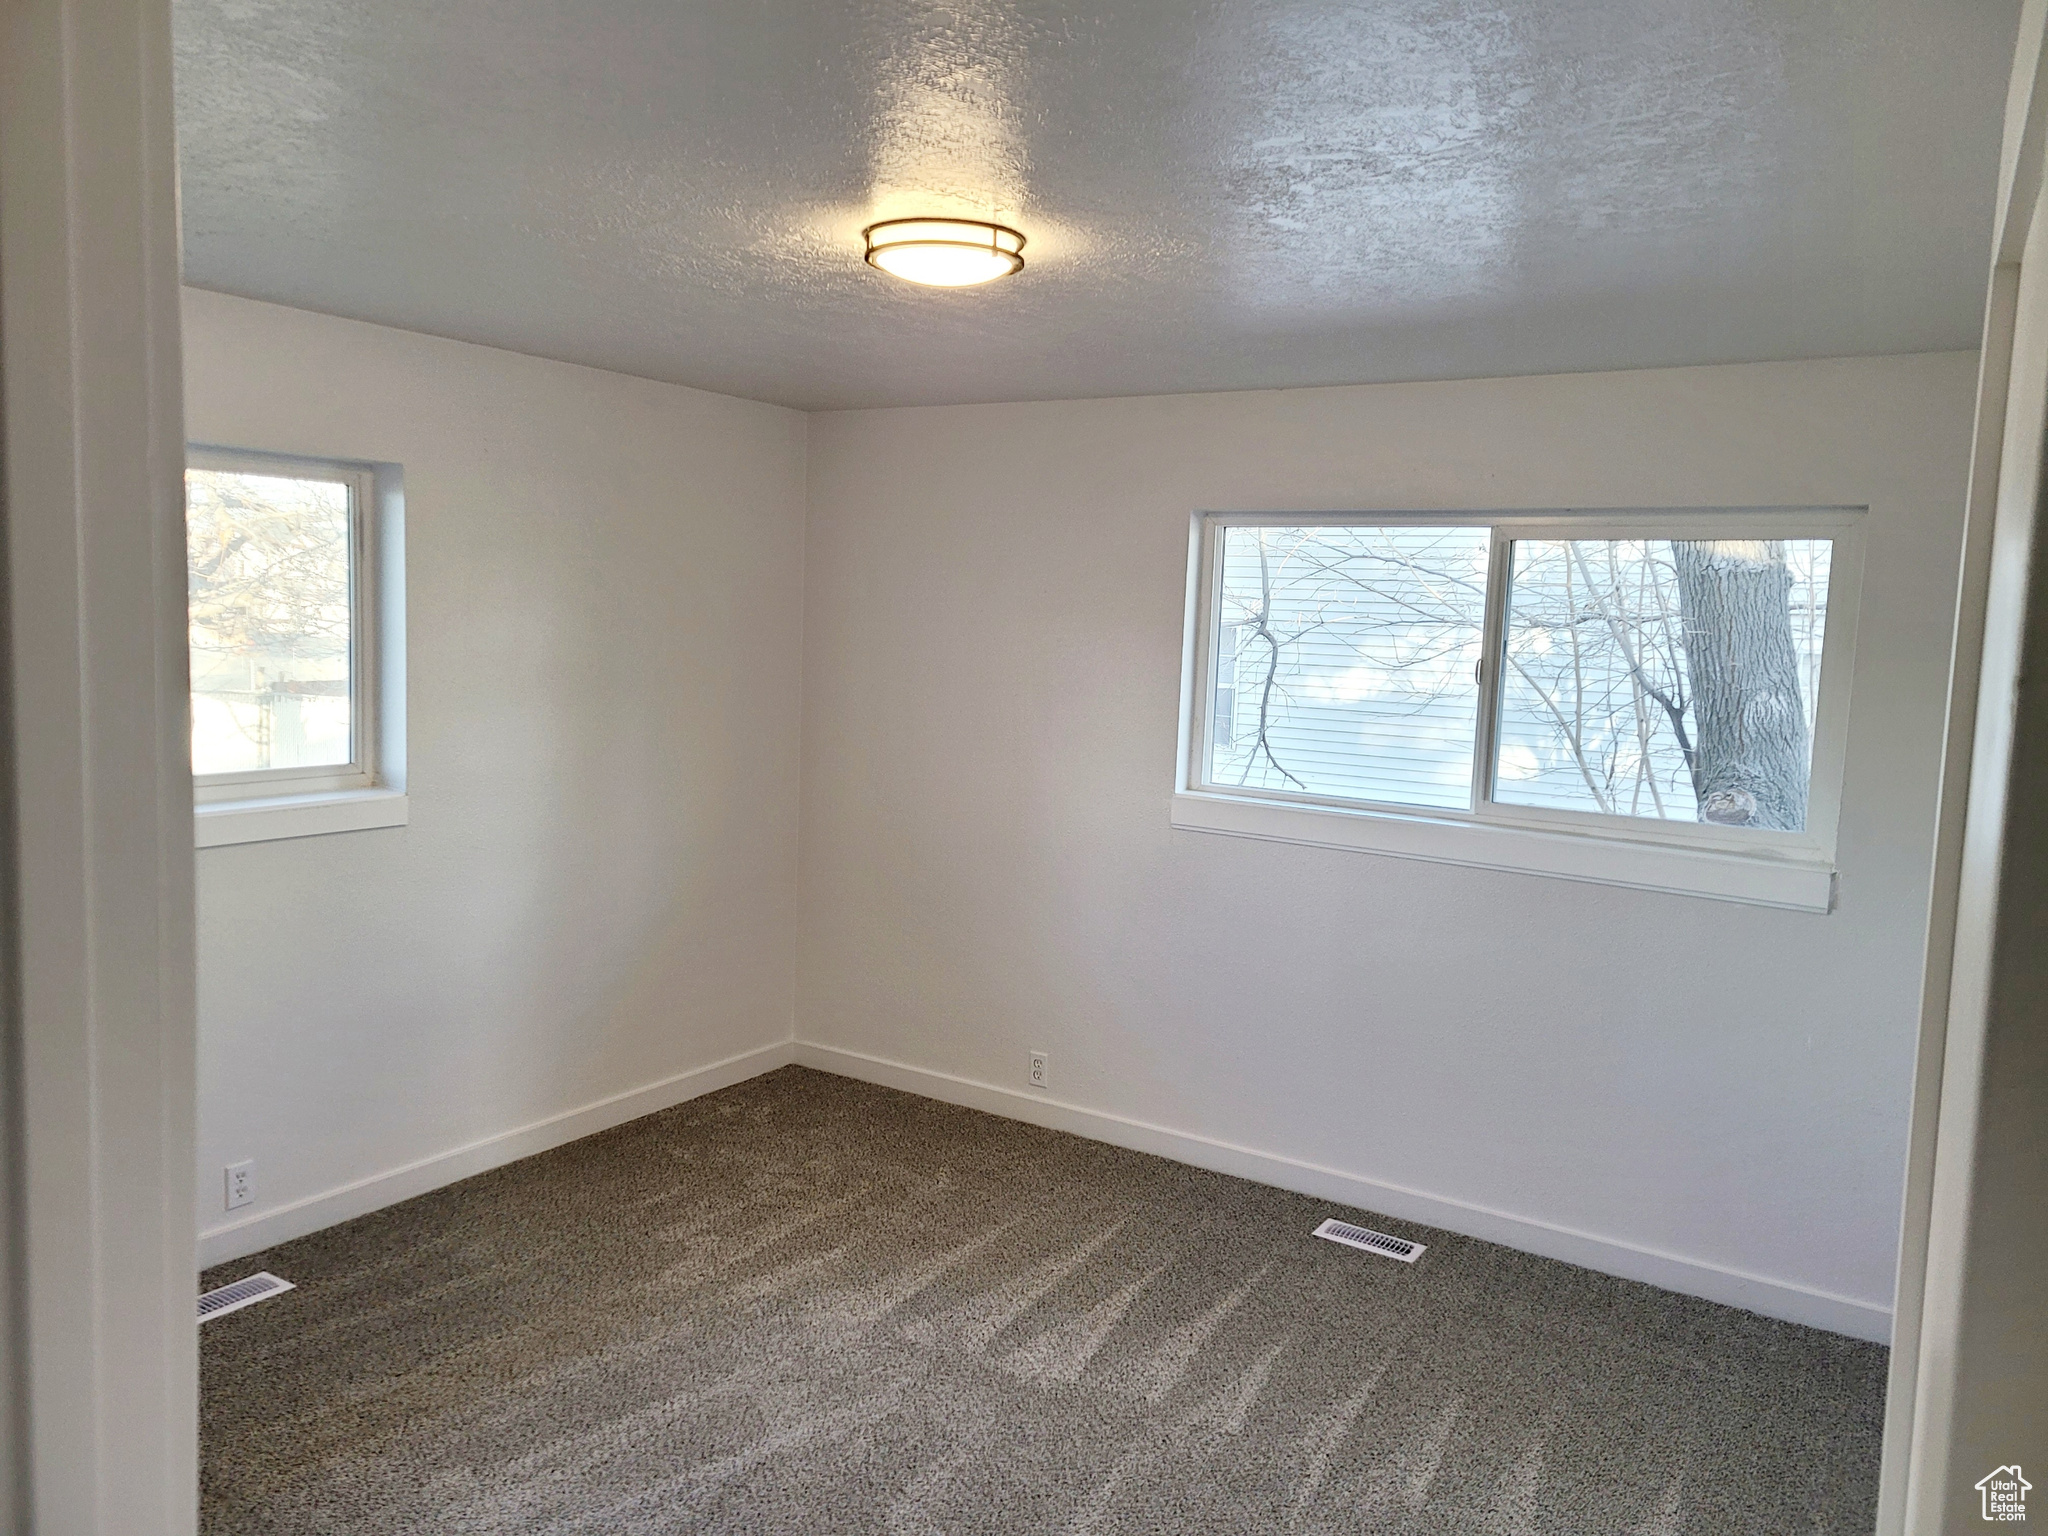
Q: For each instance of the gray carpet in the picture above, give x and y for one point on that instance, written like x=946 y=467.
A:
x=811 y=1305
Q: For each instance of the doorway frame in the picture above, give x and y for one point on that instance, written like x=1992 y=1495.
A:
x=1977 y=985
x=101 y=1353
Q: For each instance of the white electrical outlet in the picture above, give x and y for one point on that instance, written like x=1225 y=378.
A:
x=241 y=1184
x=1041 y=1074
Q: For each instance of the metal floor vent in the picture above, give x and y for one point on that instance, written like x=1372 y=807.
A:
x=243 y=1293
x=1381 y=1243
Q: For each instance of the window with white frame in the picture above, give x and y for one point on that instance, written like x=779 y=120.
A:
x=282 y=572
x=1668 y=679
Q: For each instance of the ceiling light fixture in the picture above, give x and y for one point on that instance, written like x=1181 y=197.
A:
x=945 y=253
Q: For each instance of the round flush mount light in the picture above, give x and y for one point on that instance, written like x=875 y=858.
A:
x=945 y=253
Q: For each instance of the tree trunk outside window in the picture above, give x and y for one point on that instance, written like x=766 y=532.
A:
x=1749 y=765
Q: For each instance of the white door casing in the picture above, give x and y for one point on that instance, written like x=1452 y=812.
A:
x=99 y=1013
x=1969 y=1368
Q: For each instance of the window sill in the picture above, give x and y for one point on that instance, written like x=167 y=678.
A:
x=1760 y=880
x=218 y=823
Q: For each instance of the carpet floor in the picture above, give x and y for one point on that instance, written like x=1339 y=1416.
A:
x=810 y=1305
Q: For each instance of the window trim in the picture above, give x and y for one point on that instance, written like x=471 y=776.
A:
x=265 y=804
x=1789 y=869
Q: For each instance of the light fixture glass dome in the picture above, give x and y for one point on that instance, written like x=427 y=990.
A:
x=945 y=253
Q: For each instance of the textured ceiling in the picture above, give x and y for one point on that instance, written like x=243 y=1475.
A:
x=1217 y=195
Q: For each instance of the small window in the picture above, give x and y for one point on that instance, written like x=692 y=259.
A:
x=1652 y=677
x=281 y=588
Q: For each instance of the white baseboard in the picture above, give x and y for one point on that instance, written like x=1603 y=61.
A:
x=1754 y=1293
x=1735 y=1288
x=252 y=1234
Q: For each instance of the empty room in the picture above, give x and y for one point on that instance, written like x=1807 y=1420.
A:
x=979 y=766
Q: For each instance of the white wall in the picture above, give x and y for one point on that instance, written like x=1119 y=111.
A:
x=596 y=892
x=1709 y=1095
x=597 y=897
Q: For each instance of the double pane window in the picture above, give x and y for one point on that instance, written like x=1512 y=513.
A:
x=1646 y=670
